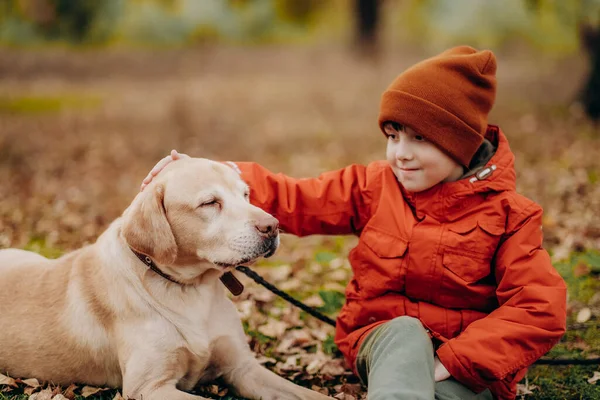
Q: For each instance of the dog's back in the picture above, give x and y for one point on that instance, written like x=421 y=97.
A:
x=13 y=258
x=34 y=294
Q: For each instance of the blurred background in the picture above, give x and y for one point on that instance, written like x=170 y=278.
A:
x=94 y=93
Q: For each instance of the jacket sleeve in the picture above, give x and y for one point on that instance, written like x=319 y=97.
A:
x=337 y=202
x=530 y=319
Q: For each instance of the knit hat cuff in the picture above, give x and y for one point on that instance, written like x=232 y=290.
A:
x=437 y=125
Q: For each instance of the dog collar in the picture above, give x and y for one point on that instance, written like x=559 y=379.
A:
x=228 y=279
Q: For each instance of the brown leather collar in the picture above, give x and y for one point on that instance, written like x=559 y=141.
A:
x=148 y=261
x=228 y=279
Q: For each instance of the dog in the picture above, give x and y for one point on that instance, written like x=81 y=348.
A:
x=143 y=308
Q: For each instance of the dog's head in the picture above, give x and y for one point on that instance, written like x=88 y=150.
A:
x=197 y=212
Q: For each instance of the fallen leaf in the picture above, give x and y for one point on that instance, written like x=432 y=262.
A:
x=314 y=366
x=595 y=300
x=314 y=301
x=32 y=382
x=273 y=328
x=333 y=367
x=245 y=309
x=336 y=263
x=88 y=391
x=59 y=397
x=69 y=392
x=351 y=388
x=279 y=273
x=5 y=380
x=581 y=269
x=344 y=396
x=292 y=339
x=262 y=295
x=525 y=389
x=45 y=394
x=29 y=390
x=584 y=315
x=594 y=378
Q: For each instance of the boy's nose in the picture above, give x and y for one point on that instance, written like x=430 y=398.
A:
x=403 y=150
x=404 y=154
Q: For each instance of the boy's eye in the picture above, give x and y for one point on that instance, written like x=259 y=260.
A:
x=419 y=138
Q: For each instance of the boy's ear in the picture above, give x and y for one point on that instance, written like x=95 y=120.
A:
x=146 y=228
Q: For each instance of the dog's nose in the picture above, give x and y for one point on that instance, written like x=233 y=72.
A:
x=267 y=226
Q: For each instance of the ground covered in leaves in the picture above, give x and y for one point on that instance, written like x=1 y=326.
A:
x=79 y=130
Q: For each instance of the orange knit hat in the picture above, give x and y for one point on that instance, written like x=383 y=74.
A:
x=446 y=99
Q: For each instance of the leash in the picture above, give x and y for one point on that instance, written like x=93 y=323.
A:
x=308 y=309
x=312 y=311
x=236 y=288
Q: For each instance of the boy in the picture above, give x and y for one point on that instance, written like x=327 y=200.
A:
x=453 y=296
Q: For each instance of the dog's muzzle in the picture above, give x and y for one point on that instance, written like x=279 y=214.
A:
x=270 y=246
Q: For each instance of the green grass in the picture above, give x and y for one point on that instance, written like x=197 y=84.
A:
x=32 y=105
x=562 y=382
x=39 y=245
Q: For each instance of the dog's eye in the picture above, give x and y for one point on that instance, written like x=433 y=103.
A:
x=246 y=195
x=210 y=203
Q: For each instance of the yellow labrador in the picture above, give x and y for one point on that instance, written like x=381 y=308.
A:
x=143 y=308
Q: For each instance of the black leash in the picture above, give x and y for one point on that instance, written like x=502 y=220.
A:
x=312 y=311
x=261 y=281
x=568 y=361
x=236 y=288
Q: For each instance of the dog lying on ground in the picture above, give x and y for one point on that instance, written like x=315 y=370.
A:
x=143 y=308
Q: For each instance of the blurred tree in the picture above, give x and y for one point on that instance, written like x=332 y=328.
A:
x=590 y=94
x=367 y=25
x=61 y=19
x=301 y=12
x=585 y=19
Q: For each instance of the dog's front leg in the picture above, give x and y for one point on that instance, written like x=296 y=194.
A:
x=155 y=376
x=254 y=381
x=249 y=379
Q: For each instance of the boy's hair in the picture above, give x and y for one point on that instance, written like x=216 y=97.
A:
x=446 y=99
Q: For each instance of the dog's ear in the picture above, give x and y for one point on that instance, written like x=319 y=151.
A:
x=146 y=228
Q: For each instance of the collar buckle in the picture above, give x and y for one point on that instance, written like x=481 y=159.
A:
x=484 y=173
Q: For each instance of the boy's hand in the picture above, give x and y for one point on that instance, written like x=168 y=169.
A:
x=160 y=165
x=440 y=372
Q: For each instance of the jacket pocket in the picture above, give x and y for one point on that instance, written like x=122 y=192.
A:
x=378 y=263
x=469 y=269
x=384 y=245
x=480 y=238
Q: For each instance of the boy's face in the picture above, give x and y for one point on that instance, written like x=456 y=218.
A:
x=417 y=163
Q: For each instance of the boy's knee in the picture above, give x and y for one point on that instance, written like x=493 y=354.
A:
x=404 y=328
x=407 y=325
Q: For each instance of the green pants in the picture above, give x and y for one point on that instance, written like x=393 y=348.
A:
x=395 y=361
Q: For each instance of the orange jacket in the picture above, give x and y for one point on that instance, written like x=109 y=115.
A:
x=464 y=257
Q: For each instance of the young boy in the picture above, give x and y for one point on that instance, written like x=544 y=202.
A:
x=453 y=296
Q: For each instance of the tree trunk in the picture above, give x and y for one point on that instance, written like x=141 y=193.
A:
x=367 y=14
x=590 y=94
